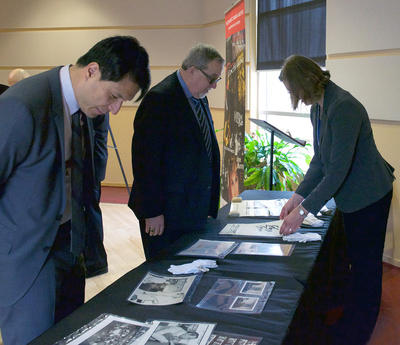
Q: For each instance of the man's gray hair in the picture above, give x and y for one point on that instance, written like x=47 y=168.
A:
x=200 y=56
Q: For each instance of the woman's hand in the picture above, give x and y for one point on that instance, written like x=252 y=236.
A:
x=291 y=222
x=292 y=203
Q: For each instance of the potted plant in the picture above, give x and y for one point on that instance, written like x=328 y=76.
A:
x=287 y=174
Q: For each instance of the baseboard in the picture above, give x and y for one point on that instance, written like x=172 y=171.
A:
x=392 y=261
x=112 y=184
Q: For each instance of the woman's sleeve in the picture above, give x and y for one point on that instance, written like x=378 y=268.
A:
x=344 y=124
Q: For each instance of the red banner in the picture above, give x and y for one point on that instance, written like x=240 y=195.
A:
x=235 y=19
x=235 y=76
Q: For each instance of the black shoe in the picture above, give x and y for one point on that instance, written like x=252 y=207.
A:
x=95 y=271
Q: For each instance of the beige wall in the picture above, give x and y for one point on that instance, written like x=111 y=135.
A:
x=387 y=136
x=55 y=33
x=362 y=46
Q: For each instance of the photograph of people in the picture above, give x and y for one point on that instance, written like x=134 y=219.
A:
x=348 y=167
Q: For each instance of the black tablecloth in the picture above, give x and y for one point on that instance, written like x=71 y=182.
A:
x=301 y=283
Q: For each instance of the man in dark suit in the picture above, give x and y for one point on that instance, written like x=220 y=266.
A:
x=175 y=155
x=95 y=253
x=43 y=127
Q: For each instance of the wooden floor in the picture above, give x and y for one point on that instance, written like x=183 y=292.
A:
x=123 y=246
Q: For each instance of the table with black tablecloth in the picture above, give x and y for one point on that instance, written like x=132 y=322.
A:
x=293 y=313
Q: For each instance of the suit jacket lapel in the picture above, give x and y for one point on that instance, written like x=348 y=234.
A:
x=57 y=113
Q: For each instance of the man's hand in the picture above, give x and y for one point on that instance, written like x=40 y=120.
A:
x=291 y=204
x=155 y=225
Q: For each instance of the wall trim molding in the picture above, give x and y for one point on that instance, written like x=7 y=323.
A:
x=392 y=261
x=116 y=27
x=119 y=27
x=386 y=122
x=364 y=54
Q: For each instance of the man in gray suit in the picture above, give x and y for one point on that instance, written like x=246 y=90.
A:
x=41 y=269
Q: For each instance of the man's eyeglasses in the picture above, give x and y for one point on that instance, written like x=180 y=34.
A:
x=210 y=79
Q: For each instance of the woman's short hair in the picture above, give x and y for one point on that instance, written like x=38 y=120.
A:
x=304 y=77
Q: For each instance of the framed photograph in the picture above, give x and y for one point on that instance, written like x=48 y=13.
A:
x=256 y=248
x=225 y=338
x=182 y=333
x=265 y=229
x=156 y=289
x=209 y=248
x=111 y=329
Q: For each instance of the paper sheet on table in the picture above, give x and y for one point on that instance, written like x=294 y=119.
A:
x=257 y=208
x=265 y=229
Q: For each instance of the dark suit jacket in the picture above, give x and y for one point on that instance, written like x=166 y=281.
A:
x=346 y=163
x=3 y=88
x=32 y=170
x=170 y=164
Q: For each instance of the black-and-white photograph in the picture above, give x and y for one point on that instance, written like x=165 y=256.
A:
x=115 y=333
x=253 y=288
x=111 y=330
x=225 y=338
x=156 y=289
x=181 y=333
x=244 y=303
x=256 y=248
x=209 y=248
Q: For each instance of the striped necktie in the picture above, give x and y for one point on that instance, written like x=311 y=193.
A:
x=77 y=170
x=204 y=126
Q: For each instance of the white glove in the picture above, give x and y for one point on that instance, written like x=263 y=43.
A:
x=313 y=221
x=196 y=266
x=298 y=237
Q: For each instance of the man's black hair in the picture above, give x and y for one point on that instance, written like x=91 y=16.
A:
x=119 y=56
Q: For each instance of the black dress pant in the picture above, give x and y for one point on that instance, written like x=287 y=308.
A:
x=70 y=274
x=365 y=232
x=94 y=252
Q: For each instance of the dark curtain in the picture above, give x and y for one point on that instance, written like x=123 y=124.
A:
x=287 y=27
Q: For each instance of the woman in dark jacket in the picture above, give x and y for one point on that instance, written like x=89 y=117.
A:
x=348 y=167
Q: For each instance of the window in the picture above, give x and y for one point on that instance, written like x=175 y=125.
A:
x=275 y=107
x=284 y=28
x=287 y=27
